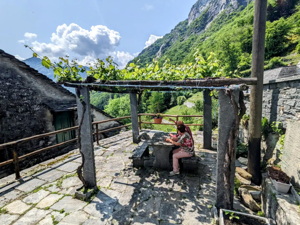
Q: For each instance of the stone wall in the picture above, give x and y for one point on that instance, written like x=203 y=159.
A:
x=281 y=100
x=290 y=155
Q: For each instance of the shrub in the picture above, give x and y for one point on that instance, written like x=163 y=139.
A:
x=198 y=106
x=180 y=100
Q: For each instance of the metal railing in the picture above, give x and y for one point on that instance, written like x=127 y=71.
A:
x=16 y=159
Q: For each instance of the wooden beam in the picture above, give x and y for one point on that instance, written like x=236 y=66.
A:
x=165 y=85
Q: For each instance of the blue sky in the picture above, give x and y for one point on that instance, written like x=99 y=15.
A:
x=87 y=29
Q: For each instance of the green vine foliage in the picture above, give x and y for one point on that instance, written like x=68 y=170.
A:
x=69 y=70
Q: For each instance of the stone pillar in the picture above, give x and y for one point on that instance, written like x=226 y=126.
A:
x=224 y=193
x=87 y=145
x=207 y=120
x=134 y=117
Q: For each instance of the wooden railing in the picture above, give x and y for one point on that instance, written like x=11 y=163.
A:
x=165 y=115
x=16 y=159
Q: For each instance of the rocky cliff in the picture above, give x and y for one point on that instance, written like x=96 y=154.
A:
x=213 y=8
x=200 y=17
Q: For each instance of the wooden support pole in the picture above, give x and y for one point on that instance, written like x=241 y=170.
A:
x=140 y=122
x=225 y=158
x=258 y=53
x=16 y=162
x=134 y=117
x=86 y=140
x=97 y=133
x=207 y=121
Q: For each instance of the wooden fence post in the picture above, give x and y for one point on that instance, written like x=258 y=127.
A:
x=16 y=162
x=97 y=133
x=140 y=122
x=134 y=117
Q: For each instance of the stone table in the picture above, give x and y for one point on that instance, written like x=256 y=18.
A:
x=161 y=150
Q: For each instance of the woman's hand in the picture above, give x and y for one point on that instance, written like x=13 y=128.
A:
x=168 y=139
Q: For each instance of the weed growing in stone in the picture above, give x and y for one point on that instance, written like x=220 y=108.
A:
x=54 y=221
x=3 y=210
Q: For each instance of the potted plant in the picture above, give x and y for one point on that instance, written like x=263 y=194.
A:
x=229 y=217
x=280 y=180
x=157 y=118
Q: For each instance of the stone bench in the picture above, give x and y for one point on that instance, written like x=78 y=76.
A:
x=139 y=153
x=189 y=164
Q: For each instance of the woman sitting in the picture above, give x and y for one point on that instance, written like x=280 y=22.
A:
x=186 y=148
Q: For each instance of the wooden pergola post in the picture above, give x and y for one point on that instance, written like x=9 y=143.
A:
x=134 y=117
x=86 y=133
x=225 y=158
x=207 y=120
x=256 y=94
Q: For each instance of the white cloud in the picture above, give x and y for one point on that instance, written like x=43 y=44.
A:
x=151 y=40
x=30 y=35
x=98 y=41
x=19 y=57
x=122 y=58
x=85 y=45
x=148 y=7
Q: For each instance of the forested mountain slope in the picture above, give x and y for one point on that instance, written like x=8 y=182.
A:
x=226 y=28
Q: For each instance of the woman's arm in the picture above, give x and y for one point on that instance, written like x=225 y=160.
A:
x=173 y=142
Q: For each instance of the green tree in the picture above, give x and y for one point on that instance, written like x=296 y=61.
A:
x=119 y=107
x=180 y=100
x=276 y=37
x=198 y=106
x=156 y=103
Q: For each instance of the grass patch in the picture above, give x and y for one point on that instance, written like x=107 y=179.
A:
x=3 y=210
x=54 y=221
x=37 y=189
x=237 y=184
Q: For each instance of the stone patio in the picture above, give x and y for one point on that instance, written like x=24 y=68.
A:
x=127 y=195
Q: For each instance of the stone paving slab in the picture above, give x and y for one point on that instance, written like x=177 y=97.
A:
x=36 y=197
x=75 y=218
x=71 y=182
x=9 y=196
x=68 y=167
x=49 y=201
x=32 y=217
x=49 y=218
x=7 y=219
x=50 y=175
x=68 y=204
x=30 y=185
x=17 y=207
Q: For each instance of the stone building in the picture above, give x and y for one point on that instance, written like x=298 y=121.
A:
x=32 y=104
x=281 y=94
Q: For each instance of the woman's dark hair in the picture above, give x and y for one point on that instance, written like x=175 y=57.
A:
x=181 y=128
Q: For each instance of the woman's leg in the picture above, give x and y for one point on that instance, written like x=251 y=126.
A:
x=178 y=155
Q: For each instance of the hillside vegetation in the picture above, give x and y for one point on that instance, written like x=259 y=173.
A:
x=229 y=36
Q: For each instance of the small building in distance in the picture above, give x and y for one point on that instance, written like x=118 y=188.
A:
x=32 y=104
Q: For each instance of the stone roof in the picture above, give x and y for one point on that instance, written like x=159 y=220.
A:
x=66 y=106
x=282 y=74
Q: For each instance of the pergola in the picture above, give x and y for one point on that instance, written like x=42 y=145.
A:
x=230 y=108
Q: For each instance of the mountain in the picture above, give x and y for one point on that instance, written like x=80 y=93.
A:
x=225 y=27
x=200 y=17
x=36 y=64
